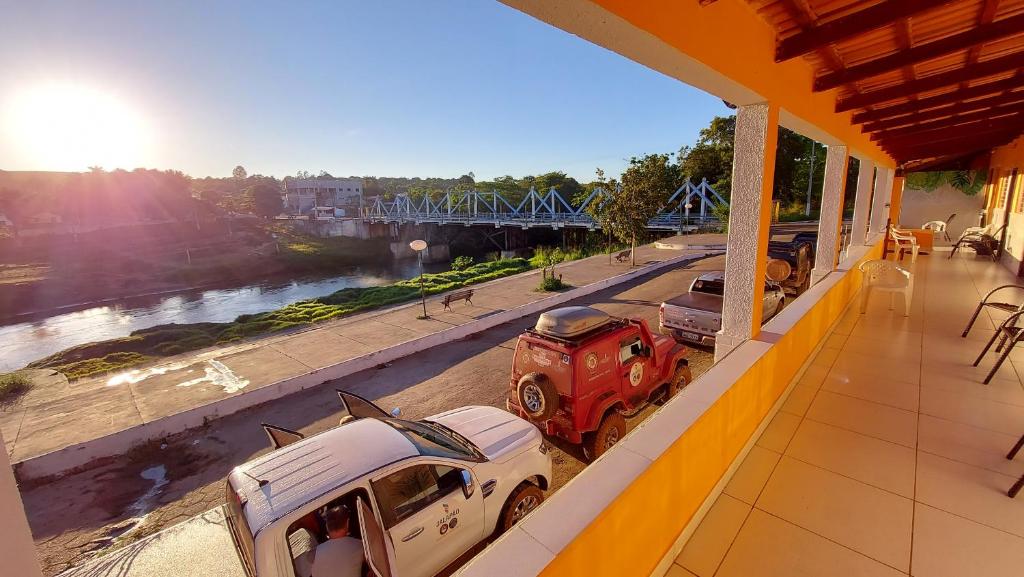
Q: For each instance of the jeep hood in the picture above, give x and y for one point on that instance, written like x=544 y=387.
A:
x=498 y=434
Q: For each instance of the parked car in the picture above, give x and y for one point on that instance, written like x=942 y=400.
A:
x=799 y=253
x=696 y=317
x=423 y=492
x=579 y=372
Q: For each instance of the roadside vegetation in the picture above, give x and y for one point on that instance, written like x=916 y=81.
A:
x=12 y=387
x=172 y=339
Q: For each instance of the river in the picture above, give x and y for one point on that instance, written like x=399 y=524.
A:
x=25 y=342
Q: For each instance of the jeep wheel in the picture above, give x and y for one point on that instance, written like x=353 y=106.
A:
x=611 y=429
x=680 y=379
x=537 y=396
x=525 y=498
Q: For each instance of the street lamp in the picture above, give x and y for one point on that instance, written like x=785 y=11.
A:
x=688 y=205
x=419 y=246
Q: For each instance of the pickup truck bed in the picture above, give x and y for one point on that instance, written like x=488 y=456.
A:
x=698 y=301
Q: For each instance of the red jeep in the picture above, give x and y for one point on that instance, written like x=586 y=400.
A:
x=579 y=372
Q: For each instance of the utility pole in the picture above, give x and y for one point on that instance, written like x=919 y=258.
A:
x=810 y=182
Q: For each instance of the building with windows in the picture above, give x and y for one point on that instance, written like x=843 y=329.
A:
x=302 y=195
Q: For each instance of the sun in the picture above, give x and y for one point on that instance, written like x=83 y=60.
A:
x=72 y=127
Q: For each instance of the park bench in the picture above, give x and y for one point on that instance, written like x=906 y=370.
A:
x=623 y=256
x=465 y=295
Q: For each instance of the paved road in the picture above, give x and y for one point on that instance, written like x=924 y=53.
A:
x=77 y=515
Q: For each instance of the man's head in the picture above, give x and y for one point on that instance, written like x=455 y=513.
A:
x=337 y=520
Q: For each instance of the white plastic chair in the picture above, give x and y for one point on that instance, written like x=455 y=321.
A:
x=887 y=276
x=938 y=227
x=904 y=241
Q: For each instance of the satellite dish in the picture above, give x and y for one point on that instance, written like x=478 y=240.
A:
x=778 y=270
x=418 y=245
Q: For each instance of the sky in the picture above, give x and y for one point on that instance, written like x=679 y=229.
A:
x=382 y=88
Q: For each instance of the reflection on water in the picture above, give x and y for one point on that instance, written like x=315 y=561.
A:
x=25 y=342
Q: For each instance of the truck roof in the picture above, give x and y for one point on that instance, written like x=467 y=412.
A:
x=280 y=482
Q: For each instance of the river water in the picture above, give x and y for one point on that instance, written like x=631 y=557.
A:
x=25 y=342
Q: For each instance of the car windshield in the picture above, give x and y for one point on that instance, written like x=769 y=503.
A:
x=434 y=440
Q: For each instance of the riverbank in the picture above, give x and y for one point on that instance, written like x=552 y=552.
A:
x=171 y=339
x=39 y=278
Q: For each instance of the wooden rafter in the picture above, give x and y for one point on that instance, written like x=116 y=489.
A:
x=923 y=132
x=993 y=103
x=935 y=81
x=871 y=18
x=941 y=100
x=946 y=134
x=933 y=152
x=798 y=12
x=914 y=55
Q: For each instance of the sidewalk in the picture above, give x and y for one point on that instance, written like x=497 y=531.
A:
x=61 y=414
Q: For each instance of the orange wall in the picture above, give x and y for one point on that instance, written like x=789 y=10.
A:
x=637 y=530
x=728 y=36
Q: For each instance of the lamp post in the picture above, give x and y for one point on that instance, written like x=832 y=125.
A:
x=689 y=205
x=419 y=246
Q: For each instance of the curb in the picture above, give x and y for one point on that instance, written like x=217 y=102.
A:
x=80 y=454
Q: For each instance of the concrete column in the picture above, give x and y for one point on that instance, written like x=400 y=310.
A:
x=17 y=549
x=879 y=211
x=862 y=204
x=753 y=168
x=896 y=199
x=832 y=194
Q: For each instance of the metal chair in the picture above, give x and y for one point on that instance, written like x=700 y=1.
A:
x=1020 y=482
x=998 y=305
x=979 y=237
x=1009 y=334
x=889 y=277
x=905 y=241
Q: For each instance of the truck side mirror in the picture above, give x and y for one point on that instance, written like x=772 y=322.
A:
x=468 y=486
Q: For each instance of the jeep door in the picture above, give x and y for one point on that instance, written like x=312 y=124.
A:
x=428 y=515
x=634 y=366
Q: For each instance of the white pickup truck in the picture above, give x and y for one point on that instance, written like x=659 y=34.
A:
x=421 y=494
x=696 y=317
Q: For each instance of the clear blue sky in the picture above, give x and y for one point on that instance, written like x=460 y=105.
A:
x=384 y=88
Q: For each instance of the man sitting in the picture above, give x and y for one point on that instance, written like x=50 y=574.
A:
x=340 y=555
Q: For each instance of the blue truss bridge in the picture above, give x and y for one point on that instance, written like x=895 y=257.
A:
x=690 y=207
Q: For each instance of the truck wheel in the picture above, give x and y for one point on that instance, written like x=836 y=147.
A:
x=537 y=396
x=609 y=432
x=680 y=379
x=525 y=498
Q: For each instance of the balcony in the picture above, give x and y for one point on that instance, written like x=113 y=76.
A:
x=888 y=455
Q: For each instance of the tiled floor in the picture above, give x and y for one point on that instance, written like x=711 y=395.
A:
x=888 y=456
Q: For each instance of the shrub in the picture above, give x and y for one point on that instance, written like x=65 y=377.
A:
x=462 y=262
x=13 y=386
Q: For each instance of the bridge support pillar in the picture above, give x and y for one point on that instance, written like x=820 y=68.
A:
x=831 y=218
x=753 y=170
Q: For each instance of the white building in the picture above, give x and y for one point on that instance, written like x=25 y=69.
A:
x=302 y=195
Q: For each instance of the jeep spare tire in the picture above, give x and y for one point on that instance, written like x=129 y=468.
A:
x=537 y=396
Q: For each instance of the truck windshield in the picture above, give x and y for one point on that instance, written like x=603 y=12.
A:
x=434 y=440
x=711 y=287
x=245 y=545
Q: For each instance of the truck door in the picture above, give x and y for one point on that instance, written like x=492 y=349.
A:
x=374 y=542
x=431 y=515
x=359 y=407
x=634 y=367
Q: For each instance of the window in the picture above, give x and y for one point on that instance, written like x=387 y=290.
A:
x=629 y=348
x=1004 y=188
x=407 y=492
x=435 y=440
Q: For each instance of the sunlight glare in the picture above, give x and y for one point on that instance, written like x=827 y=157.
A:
x=73 y=127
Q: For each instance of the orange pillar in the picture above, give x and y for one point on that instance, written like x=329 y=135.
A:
x=896 y=200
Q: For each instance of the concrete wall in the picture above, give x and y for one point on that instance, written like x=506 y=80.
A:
x=17 y=551
x=919 y=207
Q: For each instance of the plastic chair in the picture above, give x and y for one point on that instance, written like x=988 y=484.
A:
x=998 y=305
x=904 y=241
x=887 y=276
x=938 y=227
x=1009 y=334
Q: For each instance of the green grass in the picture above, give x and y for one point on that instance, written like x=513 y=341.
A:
x=166 y=340
x=13 y=386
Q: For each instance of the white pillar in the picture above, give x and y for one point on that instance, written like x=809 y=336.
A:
x=17 y=549
x=753 y=169
x=862 y=205
x=832 y=195
x=879 y=210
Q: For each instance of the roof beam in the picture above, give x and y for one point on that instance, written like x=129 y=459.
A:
x=993 y=103
x=946 y=134
x=973 y=37
x=940 y=100
x=952 y=143
x=906 y=89
x=923 y=131
x=916 y=154
x=946 y=162
x=866 y=20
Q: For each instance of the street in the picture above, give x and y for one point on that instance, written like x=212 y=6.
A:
x=79 y=514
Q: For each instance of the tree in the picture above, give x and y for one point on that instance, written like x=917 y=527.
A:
x=711 y=156
x=239 y=173
x=646 y=184
x=266 y=199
